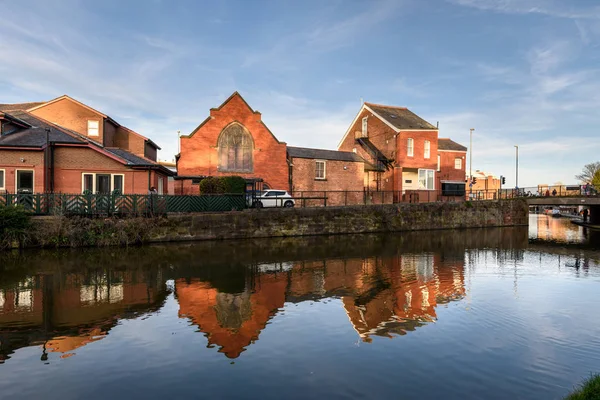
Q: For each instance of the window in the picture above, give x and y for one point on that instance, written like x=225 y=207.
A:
x=458 y=163
x=427 y=151
x=439 y=163
x=426 y=179
x=453 y=189
x=319 y=169
x=410 y=147
x=118 y=183
x=364 y=126
x=2 y=187
x=102 y=183
x=161 y=185
x=93 y=128
x=235 y=149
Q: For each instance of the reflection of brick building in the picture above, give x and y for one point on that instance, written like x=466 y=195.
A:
x=47 y=304
x=231 y=321
x=381 y=297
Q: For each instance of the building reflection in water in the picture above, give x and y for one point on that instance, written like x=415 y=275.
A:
x=63 y=312
x=388 y=285
x=381 y=296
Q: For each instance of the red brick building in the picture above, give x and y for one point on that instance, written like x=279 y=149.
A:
x=404 y=154
x=233 y=140
x=66 y=146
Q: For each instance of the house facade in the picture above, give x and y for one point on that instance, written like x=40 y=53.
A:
x=486 y=186
x=404 y=155
x=66 y=146
x=234 y=140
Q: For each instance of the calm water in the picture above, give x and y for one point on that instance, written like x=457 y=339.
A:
x=495 y=314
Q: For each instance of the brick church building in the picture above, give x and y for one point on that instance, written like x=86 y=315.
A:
x=386 y=149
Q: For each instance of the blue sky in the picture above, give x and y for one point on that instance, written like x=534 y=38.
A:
x=523 y=72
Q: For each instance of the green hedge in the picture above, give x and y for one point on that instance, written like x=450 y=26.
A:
x=14 y=224
x=222 y=185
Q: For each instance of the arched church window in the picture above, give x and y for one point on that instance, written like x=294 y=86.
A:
x=235 y=149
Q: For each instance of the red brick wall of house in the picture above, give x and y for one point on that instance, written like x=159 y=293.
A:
x=336 y=179
x=418 y=160
x=150 y=151
x=71 y=162
x=131 y=142
x=110 y=131
x=71 y=115
x=199 y=152
x=10 y=161
x=447 y=170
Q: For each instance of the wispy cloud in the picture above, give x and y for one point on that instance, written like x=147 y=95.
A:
x=554 y=8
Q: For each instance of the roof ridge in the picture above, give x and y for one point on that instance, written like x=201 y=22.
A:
x=385 y=105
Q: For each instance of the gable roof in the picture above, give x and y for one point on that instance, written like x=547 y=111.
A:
x=400 y=117
x=19 y=106
x=320 y=154
x=131 y=158
x=234 y=94
x=35 y=135
x=450 y=145
x=397 y=118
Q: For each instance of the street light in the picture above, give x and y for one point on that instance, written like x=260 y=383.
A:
x=517 y=168
x=471 y=161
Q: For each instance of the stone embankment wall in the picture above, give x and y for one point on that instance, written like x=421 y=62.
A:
x=63 y=232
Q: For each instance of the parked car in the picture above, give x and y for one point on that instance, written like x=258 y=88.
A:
x=273 y=198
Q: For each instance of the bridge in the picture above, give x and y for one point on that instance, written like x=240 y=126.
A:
x=559 y=195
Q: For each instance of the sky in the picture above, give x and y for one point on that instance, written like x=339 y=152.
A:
x=520 y=72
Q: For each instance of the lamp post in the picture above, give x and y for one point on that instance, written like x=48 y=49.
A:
x=471 y=161
x=517 y=168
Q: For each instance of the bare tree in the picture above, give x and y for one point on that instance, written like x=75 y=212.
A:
x=588 y=173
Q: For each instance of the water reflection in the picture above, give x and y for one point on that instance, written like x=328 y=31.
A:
x=229 y=291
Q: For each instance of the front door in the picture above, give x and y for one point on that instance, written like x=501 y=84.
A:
x=103 y=184
x=24 y=181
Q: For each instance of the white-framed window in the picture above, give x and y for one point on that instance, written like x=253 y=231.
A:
x=439 y=166
x=410 y=147
x=102 y=183
x=2 y=179
x=426 y=179
x=93 y=128
x=365 y=124
x=458 y=163
x=320 y=169
x=161 y=185
x=427 y=149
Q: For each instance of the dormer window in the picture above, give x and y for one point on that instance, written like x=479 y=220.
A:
x=93 y=128
x=364 y=126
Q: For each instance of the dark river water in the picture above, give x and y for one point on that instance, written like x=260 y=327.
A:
x=488 y=314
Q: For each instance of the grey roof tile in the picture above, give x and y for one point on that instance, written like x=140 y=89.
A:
x=447 y=144
x=20 y=106
x=320 y=154
x=35 y=136
x=400 y=117
x=131 y=158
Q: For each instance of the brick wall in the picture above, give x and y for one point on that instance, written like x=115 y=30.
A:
x=110 y=131
x=448 y=172
x=150 y=151
x=71 y=115
x=199 y=153
x=10 y=162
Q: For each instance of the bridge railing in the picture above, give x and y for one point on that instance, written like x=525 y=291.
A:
x=540 y=191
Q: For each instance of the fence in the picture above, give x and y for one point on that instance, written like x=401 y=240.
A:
x=126 y=205
x=348 y=198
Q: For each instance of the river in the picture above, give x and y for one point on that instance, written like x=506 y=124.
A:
x=495 y=314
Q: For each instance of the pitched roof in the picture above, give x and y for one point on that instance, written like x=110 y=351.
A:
x=400 y=117
x=35 y=135
x=447 y=144
x=320 y=154
x=20 y=106
x=131 y=158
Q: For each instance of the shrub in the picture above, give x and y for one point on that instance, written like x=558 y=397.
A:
x=221 y=185
x=234 y=184
x=14 y=224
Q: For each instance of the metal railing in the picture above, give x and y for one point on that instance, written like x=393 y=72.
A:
x=121 y=204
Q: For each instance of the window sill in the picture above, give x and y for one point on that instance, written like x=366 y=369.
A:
x=320 y=179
